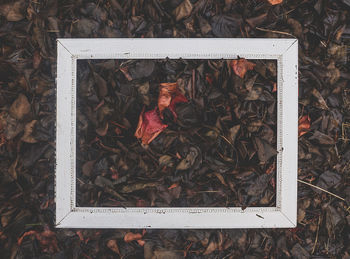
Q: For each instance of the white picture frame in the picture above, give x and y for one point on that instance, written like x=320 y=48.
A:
x=283 y=215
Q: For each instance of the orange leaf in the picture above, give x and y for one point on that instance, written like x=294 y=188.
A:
x=141 y=242
x=132 y=236
x=169 y=96
x=274 y=87
x=29 y=233
x=274 y=2
x=241 y=66
x=304 y=125
x=174 y=185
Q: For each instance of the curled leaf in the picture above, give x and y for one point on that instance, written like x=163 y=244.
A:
x=149 y=126
x=304 y=125
x=169 y=96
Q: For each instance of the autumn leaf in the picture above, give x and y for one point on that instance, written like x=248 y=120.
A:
x=174 y=185
x=20 y=107
x=274 y=2
x=169 y=96
x=113 y=245
x=241 y=66
x=132 y=236
x=304 y=125
x=149 y=126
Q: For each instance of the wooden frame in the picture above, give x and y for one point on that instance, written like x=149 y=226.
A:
x=285 y=51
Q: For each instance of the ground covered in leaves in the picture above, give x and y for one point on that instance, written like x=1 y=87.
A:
x=214 y=144
x=28 y=30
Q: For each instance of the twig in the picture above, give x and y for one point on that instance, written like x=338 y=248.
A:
x=318 y=228
x=301 y=181
x=279 y=32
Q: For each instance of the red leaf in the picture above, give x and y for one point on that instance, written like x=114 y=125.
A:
x=149 y=126
x=241 y=66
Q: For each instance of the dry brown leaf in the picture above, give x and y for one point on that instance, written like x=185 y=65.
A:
x=20 y=107
x=113 y=245
x=221 y=178
x=36 y=59
x=12 y=169
x=13 y=12
x=28 y=130
x=211 y=248
x=183 y=10
x=102 y=131
x=320 y=99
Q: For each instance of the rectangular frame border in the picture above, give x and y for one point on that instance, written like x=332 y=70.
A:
x=283 y=215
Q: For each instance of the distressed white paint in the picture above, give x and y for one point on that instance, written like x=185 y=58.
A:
x=285 y=51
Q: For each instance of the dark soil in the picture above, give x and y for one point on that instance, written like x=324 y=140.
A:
x=28 y=32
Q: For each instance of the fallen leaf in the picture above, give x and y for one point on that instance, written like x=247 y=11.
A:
x=141 y=242
x=14 y=11
x=211 y=248
x=183 y=10
x=132 y=236
x=174 y=185
x=36 y=59
x=102 y=131
x=304 y=125
x=274 y=2
x=113 y=245
x=20 y=107
x=241 y=66
x=320 y=99
x=274 y=87
x=169 y=96
x=221 y=178
x=149 y=126
x=125 y=71
x=28 y=130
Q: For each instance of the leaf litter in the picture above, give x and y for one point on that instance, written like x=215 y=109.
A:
x=28 y=32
